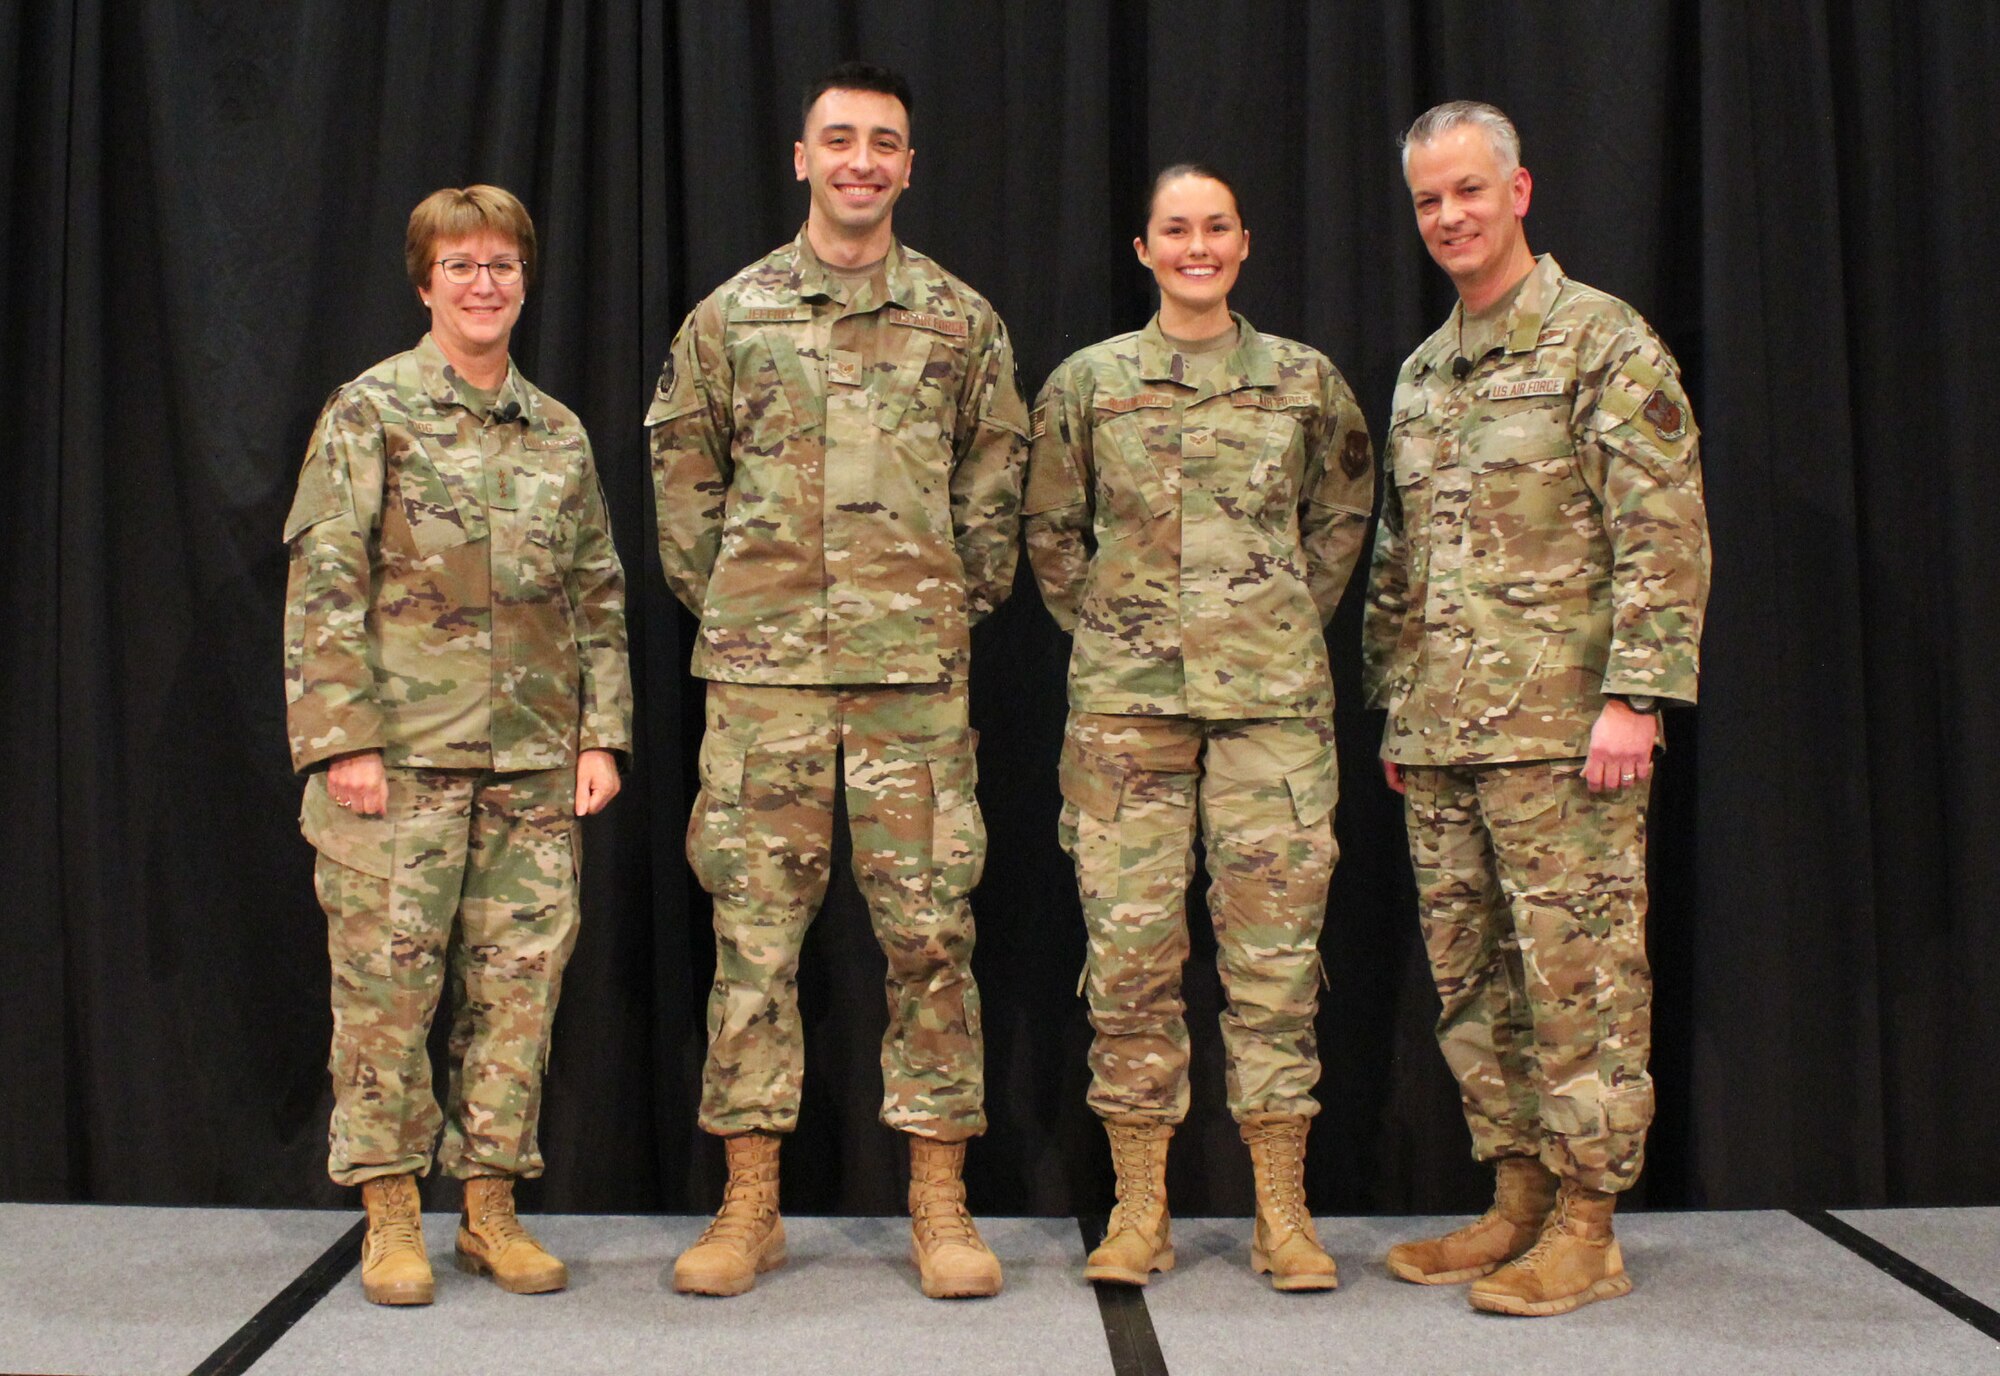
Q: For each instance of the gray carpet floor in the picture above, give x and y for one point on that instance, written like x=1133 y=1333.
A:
x=846 y=1301
x=98 y=1291
x=1959 y=1246
x=1731 y=1294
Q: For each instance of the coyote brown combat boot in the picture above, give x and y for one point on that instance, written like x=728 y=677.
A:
x=394 y=1266
x=1524 y=1190
x=1574 y=1261
x=492 y=1242
x=1137 y=1240
x=945 y=1246
x=746 y=1237
x=1285 y=1244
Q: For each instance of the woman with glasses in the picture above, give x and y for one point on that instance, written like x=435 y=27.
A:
x=1196 y=496
x=457 y=692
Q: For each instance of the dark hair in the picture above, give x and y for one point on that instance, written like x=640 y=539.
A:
x=1178 y=170
x=859 y=76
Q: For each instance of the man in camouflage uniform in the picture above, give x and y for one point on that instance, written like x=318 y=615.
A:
x=837 y=442
x=1537 y=589
x=1194 y=510
x=456 y=681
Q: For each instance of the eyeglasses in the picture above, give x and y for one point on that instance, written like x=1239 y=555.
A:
x=505 y=272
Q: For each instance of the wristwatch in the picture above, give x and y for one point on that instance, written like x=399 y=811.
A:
x=1645 y=704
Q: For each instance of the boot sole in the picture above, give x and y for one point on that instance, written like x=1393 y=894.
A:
x=1403 y=1270
x=768 y=1260
x=409 y=1293
x=1609 y=1288
x=542 y=1285
x=942 y=1290
x=1119 y=1275
x=1260 y=1264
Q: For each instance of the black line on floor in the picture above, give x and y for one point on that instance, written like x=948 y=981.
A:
x=1932 y=1287
x=1128 y=1327
x=291 y=1304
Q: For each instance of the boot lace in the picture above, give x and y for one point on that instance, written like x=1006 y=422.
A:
x=395 y=1227
x=937 y=1204
x=745 y=1205
x=1553 y=1231
x=1280 y=1148
x=1132 y=1159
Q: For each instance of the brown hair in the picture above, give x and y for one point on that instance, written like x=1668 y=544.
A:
x=454 y=212
x=1174 y=172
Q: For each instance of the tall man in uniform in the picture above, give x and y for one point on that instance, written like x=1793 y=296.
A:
x=1537 y=589
x=837 y=445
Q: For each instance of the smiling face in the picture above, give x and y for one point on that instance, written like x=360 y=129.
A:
x=1469 y=212
x=1195 y=243
x=856 y=155
x=472 y=322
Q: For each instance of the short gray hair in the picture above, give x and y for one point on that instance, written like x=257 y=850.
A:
x=1440 y=120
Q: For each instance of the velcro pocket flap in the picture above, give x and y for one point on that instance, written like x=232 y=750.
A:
x=1092 y=783
x=722 y=762
x=318 y=498
x=348 y=838
x=1315 y=788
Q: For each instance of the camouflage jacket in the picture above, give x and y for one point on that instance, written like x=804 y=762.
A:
x=455 y=600
x=838 y=476
x=1542 y=541
x=1194 y=540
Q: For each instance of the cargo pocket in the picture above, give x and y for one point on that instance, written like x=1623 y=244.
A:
x=1315 y=788
x=358 y=841
x=716 y=834
x=958 y=828
x=1092 y=791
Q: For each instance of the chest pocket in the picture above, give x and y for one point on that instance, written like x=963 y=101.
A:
x=1412 y=440
x=922 y=370
x=774 y=396
x=1527 y=430
x=1139 y=436
x=1274 y=428
x=1522 y=456
x=438 y=487
x=548 y=462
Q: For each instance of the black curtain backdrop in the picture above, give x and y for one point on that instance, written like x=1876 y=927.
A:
x=202 y=231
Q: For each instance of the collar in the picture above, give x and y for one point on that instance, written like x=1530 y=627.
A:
x=811 y=280
x=441 y=384
x=1517 y=332
x=1249 y=364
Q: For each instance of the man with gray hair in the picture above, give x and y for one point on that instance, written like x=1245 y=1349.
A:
x=1537 y=588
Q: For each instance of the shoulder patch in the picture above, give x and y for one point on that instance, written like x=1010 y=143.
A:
x=1665 y=415
x=1038 y=424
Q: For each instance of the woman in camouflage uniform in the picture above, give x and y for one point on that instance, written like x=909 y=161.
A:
x=1196 y=498
x=456 y=686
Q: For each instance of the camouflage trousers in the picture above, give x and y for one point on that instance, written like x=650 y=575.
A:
x=760 y=840
x=466 y=870
x=1263 y=791
x=1532 y=892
